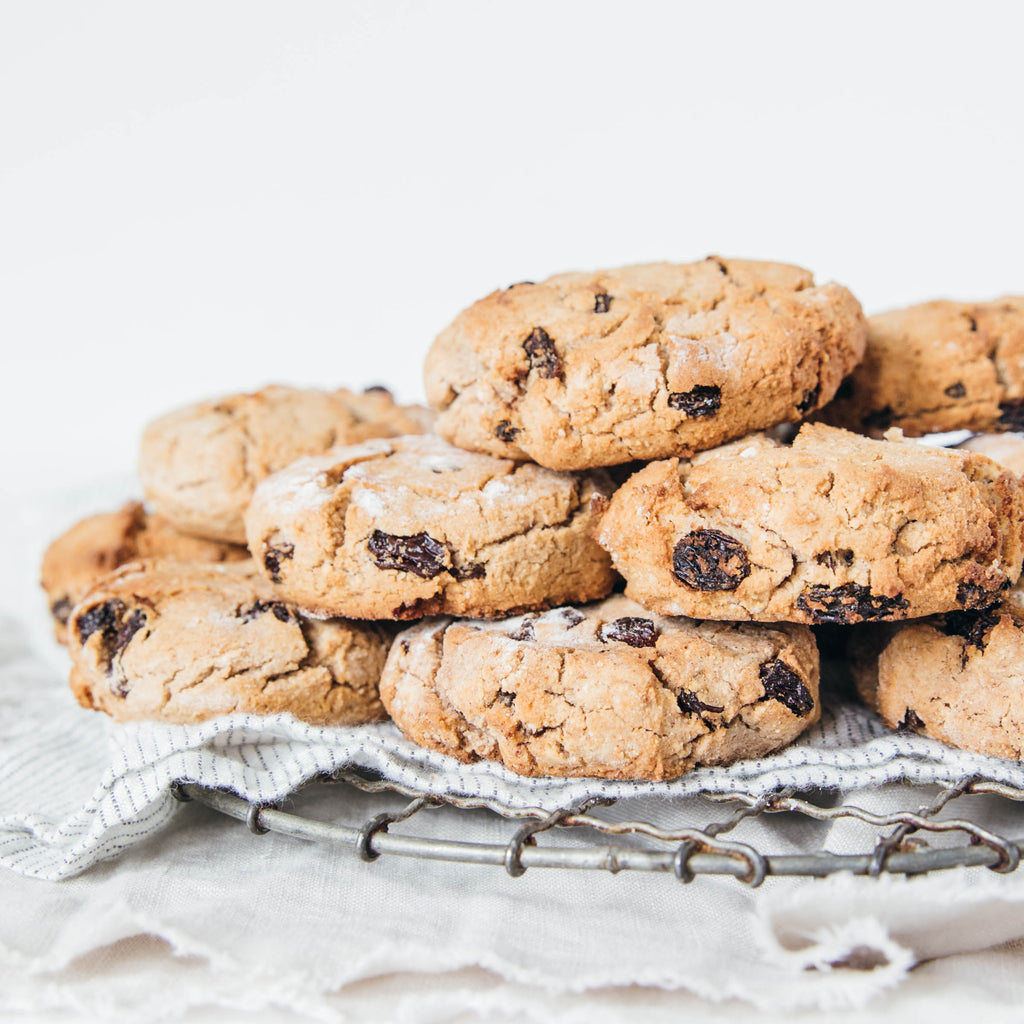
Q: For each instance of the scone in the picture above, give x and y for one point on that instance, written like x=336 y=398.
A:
x=642 y=362
x=181 y=643
x=836 y=528
x=940 y=366
x=958 y=677
x=199 y=465
x=99 y=544
x=609 y=691
x=411 y=526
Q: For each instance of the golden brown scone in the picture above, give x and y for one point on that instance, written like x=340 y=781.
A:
x=99 y=544
x=836 y=528
x=958 y=677
x=642 y=362
x=199 y=465
x=411 y=526
x=940 y=366
x=182 y=643
x=609 y=691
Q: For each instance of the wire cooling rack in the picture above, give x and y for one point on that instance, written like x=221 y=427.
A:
x=900 y=846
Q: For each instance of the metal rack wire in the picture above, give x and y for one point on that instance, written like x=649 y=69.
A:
x=685 y=853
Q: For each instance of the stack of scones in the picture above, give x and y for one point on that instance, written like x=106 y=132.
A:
x=460 y=569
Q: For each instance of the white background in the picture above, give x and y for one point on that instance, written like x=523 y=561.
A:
x=199 y=198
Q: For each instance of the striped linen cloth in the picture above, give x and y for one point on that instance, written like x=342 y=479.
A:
x=77 y=788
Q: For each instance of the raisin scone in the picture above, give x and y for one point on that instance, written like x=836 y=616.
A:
x=181 y=643
x=199 y=465
x=609 y=691
x=643 y=362
x=406 y=527
x=836 y=528
x=957 y=677
x=99 y=544
x=940 y=366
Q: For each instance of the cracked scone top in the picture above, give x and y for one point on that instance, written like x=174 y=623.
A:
x=596 y=369
x=609 y=691
x=199 y=465
x=836 y=528
x=939 y=366
x=406 y=527
x=183 y=643
x=99 y=544
x=958 y=677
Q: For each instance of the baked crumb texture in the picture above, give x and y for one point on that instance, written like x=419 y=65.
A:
x=610 y=690
x=837 y=528
x=642 y=362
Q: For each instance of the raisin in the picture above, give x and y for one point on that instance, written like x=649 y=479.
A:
x=810 y=399
x=956 y=390
x=543 y=356
x=377 y=389
x=975 y=596
x=833 y=558
x=845 y=389
x=721 y=266
x=973 y=323
x=690 y=704
x=116 y=629
x=880 y=419
x=517 y=284
x=419 y=554
x=602 y=303
x=61 y=610
x=849 y=603
x=709 y=560
x=506 y=698
x=971 y=626
x=1011 y=415
x=100 y=617
x=419 y=608
x=129 y=626
x=781 y=683
x=281 y=611
x=911 y=722
x=702 y=400
x=571 y=617
x=630 y=630
x=469 y=571
x=273 y=557
x=526 y=630
x=504 y=431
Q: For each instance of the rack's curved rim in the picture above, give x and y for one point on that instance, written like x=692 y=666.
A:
x=695 y=852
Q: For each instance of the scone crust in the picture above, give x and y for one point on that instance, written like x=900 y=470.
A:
x=199 y=465
x=642 y=362
x=939 y=366
x=99 y=544
x=407 y=527
x=183 y=643
x=608 y=691
x=836 y=528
